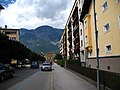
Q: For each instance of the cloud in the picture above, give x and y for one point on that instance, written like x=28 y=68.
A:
x=33 y=13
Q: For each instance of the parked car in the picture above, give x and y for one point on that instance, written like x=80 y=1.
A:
x=34 y=64
x=6 y=72
x=46 y=66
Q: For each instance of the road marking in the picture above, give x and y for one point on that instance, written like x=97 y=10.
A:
x=52 y=81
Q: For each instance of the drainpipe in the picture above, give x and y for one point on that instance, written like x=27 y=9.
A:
x=97 y=49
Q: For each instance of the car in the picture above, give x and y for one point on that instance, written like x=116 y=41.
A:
x=6 y=72
x=46 y=67
x=34 y=64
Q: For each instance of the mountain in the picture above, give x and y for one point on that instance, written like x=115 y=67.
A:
x=42 y=39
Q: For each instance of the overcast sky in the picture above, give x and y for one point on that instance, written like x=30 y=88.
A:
x=33 y=13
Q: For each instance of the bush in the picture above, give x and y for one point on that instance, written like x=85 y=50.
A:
x=61 y=63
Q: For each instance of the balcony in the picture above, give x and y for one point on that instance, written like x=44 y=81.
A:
x=75 y=13
x=89 y=48
x=70 y=38
x=70 y=46
x=75 y=27
x=87 y=31
x=76 y=50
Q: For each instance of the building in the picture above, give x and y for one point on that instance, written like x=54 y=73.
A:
x=81 y=36
x=73 y=33
x=108 y=27
x=13 y=34
x=63 y=45
x=1 y=7
x=50 y=56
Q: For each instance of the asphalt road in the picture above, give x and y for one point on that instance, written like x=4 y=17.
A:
x=20 y=75
x=57 y=79
x=40 y=80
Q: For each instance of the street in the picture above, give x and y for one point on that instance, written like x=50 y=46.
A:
x=57 y=79
x=20 y=75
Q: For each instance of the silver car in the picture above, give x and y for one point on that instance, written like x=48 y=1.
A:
x=46 y=67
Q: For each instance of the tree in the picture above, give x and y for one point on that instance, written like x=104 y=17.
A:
x=10 y=49
x=58 y=56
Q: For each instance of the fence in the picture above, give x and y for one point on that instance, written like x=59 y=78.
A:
x=107 y=79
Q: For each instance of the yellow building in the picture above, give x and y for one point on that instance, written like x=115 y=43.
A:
x=108 y=26
x=50 y=56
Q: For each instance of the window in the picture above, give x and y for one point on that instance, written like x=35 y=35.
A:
x=81 y=43
x=108 y=67
x=89 y=54
x=104 y=6
x=81 y=32
x=108 y=49
x=85 y=24
x=86 y=39
x=119 y=21
x=80 y=10
x=106 y=27
x=117 y=1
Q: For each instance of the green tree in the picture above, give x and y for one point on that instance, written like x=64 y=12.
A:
x=15 y=50
x=58 y=56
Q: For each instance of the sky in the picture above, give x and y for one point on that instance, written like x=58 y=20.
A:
x=31 y=14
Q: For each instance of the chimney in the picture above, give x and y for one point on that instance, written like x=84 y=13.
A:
x=5 y=26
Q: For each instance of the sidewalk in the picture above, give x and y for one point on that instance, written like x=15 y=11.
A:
x=66 y=80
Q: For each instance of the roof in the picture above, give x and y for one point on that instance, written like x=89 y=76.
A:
x=1 y=7
x=7 y=29
x=85 y=9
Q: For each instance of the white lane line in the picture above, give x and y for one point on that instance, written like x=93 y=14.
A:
x=52 y=80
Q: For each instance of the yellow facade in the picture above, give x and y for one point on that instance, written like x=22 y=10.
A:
x=108 y=26
x=87 y=31
x=111 y=37
x=91 y=13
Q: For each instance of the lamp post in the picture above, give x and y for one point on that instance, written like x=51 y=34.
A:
x=97 y=49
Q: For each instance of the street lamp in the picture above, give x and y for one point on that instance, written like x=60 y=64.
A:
x=97 y=49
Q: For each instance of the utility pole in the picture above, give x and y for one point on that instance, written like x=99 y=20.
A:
x=97 y=49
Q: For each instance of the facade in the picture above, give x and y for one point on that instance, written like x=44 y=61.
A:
x=73 y=33
x=49 y=56
x=81 y=36
x=13 y=34
x=63 y=45
x=108 y=35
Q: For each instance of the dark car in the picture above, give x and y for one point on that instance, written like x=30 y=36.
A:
x=34 y=64
x=46 y=66
x=6 y=72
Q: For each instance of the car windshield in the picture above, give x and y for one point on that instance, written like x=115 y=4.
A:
x=34 y=62
x=1 y=68
x=46 y=63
